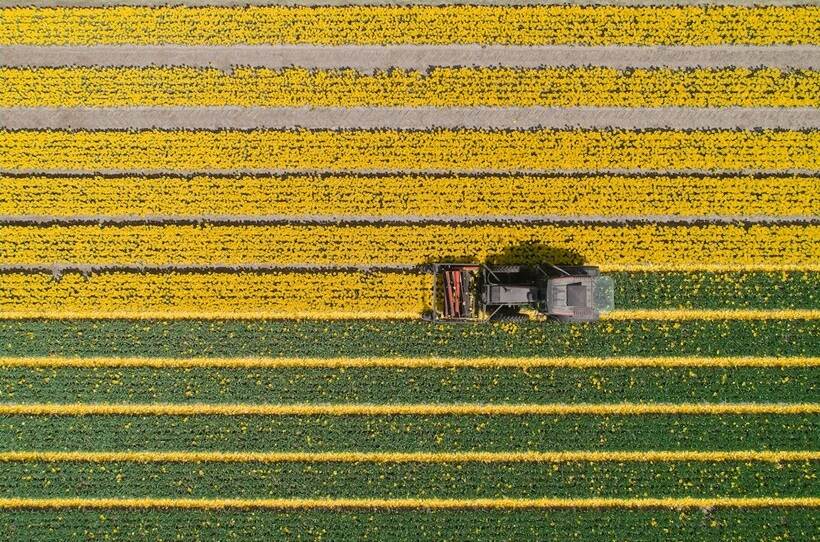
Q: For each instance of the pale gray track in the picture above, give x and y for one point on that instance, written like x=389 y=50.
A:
x=211 y=118
x=420 y=57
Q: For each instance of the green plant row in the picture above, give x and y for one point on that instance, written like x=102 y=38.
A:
x=589 y=525
x=721 y=290
x=407 y=480
x=357 y=338
x=406 y=433
x=385 y=385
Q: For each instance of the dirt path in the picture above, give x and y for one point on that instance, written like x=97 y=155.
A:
x=420 y=57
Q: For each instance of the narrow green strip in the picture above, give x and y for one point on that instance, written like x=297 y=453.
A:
x=718 y=525
x=406 y=433
x=415 y=338
x=749 y=290
x=407 y=480
x=390 y=385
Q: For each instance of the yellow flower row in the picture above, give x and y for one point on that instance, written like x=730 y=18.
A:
x=388 y=244
x=498 y=86
x=328 y=503
x=521 y=25
x=405 y=362
x=408 y=150
x=418 y=409
x=412 y=457
x=223 y=295
x=411 y=195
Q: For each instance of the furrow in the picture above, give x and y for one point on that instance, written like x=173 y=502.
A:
x=431 y=409
x=371 y=58
x=408 y=118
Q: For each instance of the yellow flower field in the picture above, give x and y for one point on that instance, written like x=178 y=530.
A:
x=520 y=25
x=408 y=150
x=440 y=87
x=226 y=295
x=633 y=244
x=408 y=195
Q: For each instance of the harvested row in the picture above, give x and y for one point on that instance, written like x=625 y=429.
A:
x=397 y=385
x=407 y=150
x=381 y=25
x=407 y=195
x=297 y=480
x=380 y=338
x=352 y=294
x=592 y=525
x=409 y=433
x=438 y=86
x=659 y=245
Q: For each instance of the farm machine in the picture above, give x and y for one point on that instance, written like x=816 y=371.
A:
x=478 y=292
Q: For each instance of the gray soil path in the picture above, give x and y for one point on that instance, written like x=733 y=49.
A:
x=47 y=3
x=420 y=57
x=210 y=118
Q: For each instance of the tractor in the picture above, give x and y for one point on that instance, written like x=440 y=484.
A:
x=478 y=293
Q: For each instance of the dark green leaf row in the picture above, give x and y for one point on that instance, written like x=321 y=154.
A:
x=407 y=480
x=406 y=433
x=356 y=338
x=708 y=525
x=749 y=290
x=383 y=385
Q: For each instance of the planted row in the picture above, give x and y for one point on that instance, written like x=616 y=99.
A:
x=406 y=480
x=392 y=385
x=405 y=433
x=356 y=338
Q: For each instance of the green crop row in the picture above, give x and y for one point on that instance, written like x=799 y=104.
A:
x=407 y=480
x=414 y=338
x=406 y=433
x=741 y=290
x=588 y=525
x=385 y=385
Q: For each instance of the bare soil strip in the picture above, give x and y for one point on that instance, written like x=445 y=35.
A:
x=246 y=118
x=420 y=57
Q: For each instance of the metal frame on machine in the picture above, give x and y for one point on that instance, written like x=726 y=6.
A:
x=459 y=300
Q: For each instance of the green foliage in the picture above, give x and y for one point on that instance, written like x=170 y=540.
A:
x=191 y=338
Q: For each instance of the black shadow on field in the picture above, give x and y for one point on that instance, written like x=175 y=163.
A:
x=527 y=253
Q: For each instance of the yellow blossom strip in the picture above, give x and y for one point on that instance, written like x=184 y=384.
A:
x=408 y=195
x=389 y=244
x=462 y=150
x=439 y=87
x=412 y=457
x=378 y=25
x=708 y=314
x=459 y=409
x=412 y=504
x=256 y=362
x=336 y=295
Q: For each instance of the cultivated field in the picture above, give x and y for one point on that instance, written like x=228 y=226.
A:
x=216 y=221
